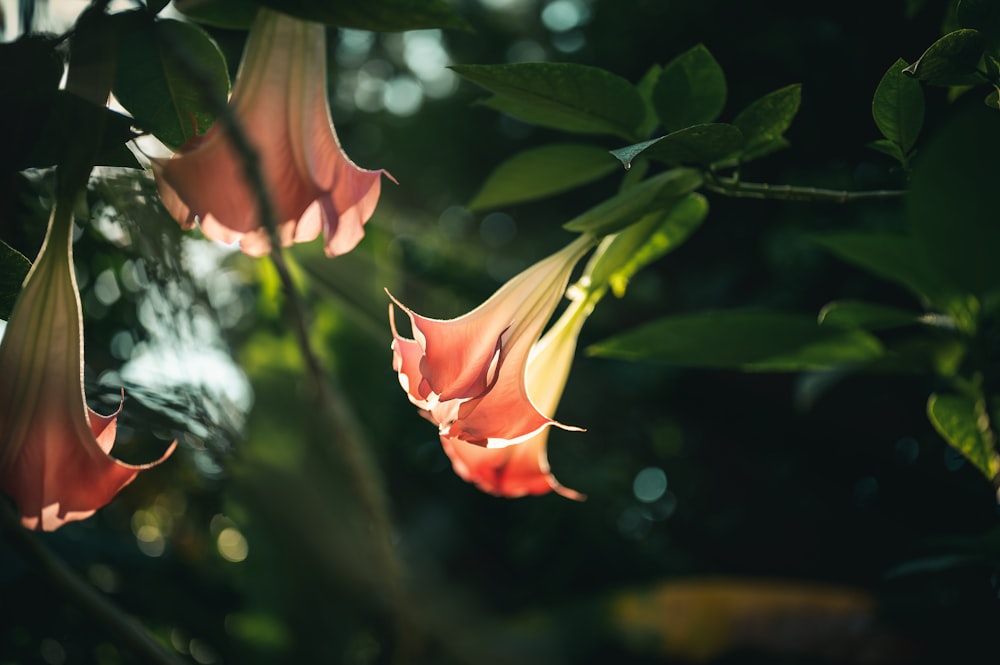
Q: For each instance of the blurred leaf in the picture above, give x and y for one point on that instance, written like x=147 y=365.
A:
x=642 y=243
x=768 y=118
x=691 y=90
x=569 y=97
x=887 y=147
x=898 y=107
x=982 y=15
x=14 y=268
x=645 y=87
x=951 y=201
x=992 y=100
x=30 y=71
x=951 y=60
x=229 y=14
x=965 y=425
x=868 y=316
x=701 y=144
x=892 y=257
x=377 y=15
x=153 y=81
x=630 y=205
x=542 y=171
x=60 y=131
x=743 y=339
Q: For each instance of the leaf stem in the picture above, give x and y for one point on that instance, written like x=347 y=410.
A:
x=752 y=190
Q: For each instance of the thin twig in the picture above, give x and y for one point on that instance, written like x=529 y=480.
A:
x=126 y=629
x=753 y=190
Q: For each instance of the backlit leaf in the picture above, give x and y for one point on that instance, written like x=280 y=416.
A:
x=951 y=60
x=569 y=97
x=965 y=425
x=898 y=107
x=543 y=171
x=691 y=90
x=868 y=316
x=701 y=144
x=768 y=118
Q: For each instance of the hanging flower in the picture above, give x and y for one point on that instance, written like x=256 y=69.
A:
x=54 y=450
x=471 y=375
x=279 y=100
x=523 y=469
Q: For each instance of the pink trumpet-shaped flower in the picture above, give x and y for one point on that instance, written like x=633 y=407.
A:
x=469 y=374
x=524 y=469
x=279 y=100
x=54 y=450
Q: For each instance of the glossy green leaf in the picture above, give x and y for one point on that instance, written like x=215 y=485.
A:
x=892 y=257
x=691 y=90
x=632 y=204
x=898 y=107
x=543 y=171
x=951 y=60
x=645 y=87
x=743 y=339
x=951 y=201
x=865 y=315
x=965 y=425
x=569 y=97
x=768 y=118
x=640 y=244
x=153 y=80
x=13 y=269
x=229 y=14
x=887 y=147
x=701 y=144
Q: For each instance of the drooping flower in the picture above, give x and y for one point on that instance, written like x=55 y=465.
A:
x=279 y=99
x=469 y=374
x=54 y=450
x=523 y=469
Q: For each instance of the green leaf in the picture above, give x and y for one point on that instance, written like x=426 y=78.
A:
x=951 y=201
x=743 y=339
x=13 y=269
x=154 y=84
x=156 y=6
x=229 y=14
x=701 y=144
x=378 y=15
x=543 y=171
x=645 y=87
x=965 y=425
x=30 y=70
x=630 y=205
x=768 y=118
x=892 y=257
x=984 y=16
x=864 y=315
x=898 y=107
x=60 y=132
x=992 y=100
x=887 y=147
x=640 y=244
x=691 y=90
x=951 y=60
x=569 y=97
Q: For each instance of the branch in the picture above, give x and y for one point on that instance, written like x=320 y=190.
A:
x=753 y=190
x=126 y=629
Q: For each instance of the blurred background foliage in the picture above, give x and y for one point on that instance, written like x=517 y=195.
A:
x=731 y=517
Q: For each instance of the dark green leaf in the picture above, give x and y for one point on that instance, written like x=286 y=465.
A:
x=701 y=144
x=573 y=98
x=992 y=100
x=156 y=6
x=378 y=15
x=898 y=107
x=951 y=201
x=229 y=14
x=868 y=316
x=640 y=244
x=30 y=70
x=60 y=129
x=768 y=118
x=984 y=16
x=748 y=340
x=691 y=90
x=887 y=147
x=892 y=257
x=153 y=80
x=13 y=269
x=632 y=204
x=951 y=60
x=965 y=425
x=543 y=171
x=645 y=88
